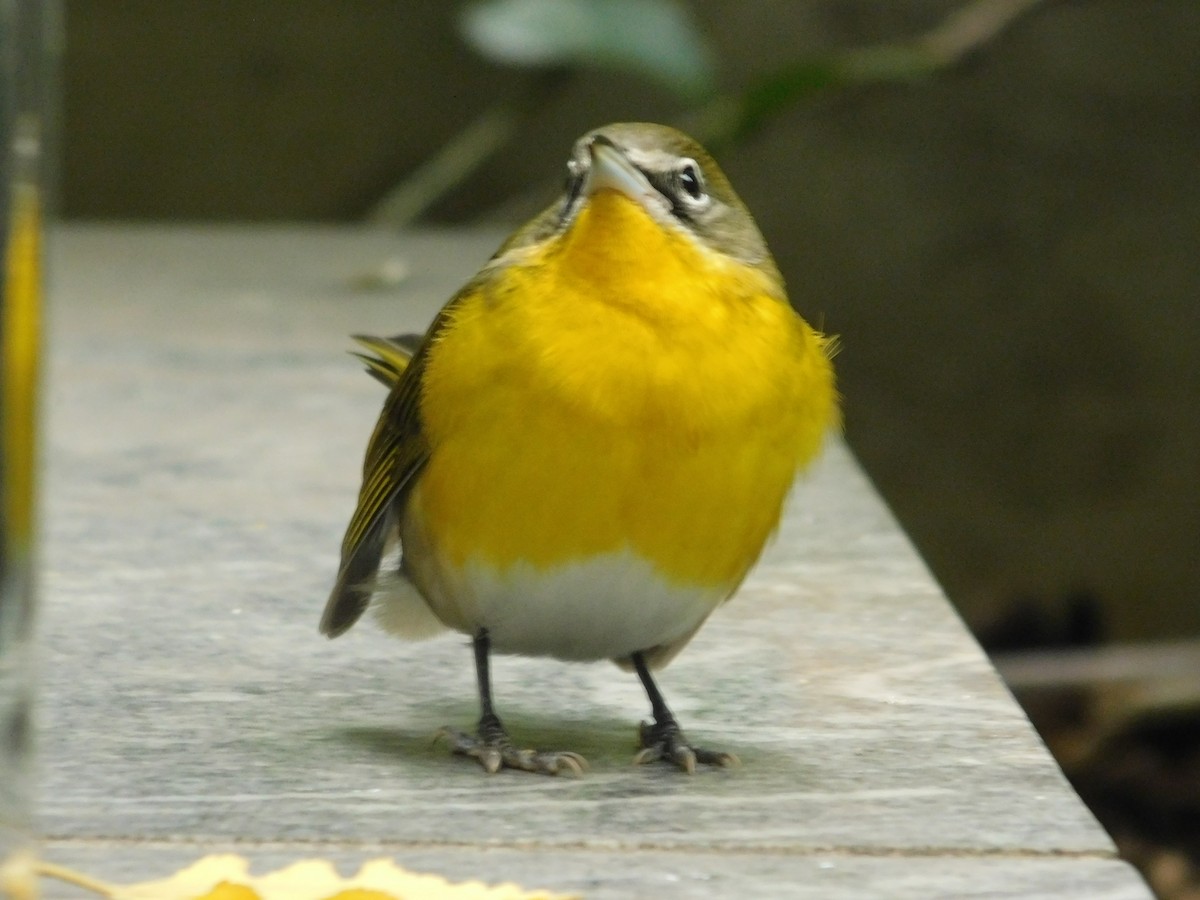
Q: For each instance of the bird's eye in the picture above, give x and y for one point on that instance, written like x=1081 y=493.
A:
x=691 y=180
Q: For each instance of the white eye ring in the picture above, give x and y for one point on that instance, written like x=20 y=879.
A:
x=691 y=182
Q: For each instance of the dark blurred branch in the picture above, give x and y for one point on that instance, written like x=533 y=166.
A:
x=969 y=27
x=451 y=165
x=465 y=153
x=726 y=119
x=732 y=117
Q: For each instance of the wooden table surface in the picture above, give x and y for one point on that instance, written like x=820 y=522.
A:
x=204 y=434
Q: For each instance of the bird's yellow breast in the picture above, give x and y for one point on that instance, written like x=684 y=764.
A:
x=619 y=387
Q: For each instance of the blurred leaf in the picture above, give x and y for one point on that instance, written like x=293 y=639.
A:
x=655 y=38
x=766 y=98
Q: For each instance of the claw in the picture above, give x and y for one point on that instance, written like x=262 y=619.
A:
x=496 y=752
x=490 y=758
x=667 y=742
x=716 y=758
x=563 y=761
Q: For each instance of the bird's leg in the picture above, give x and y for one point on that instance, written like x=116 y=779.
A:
x=491 y=745
x=664 y=739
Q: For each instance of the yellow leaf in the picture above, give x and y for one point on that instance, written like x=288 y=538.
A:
x=227 y=891
x=227 y=877
x=18 y=875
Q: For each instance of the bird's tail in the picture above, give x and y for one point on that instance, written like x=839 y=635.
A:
x=388 y=357
x=386 y=362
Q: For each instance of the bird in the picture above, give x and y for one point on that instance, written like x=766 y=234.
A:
x=588 y=449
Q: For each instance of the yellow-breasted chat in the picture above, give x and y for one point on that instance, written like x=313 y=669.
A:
x=588 y=449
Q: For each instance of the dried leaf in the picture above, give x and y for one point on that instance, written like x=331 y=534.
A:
x=227 y=877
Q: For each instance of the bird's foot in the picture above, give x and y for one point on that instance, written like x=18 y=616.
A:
x=664 y=740
x=493 y=750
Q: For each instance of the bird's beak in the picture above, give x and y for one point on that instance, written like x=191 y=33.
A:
x=612 y=170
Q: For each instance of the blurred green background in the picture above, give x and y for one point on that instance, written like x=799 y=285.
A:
x=1007 y=247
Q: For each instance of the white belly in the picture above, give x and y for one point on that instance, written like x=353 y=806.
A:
x=606 y=607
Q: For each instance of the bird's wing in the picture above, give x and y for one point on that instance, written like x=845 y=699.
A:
x=395 y=454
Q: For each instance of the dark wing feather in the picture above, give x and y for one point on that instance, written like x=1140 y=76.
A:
x=395 y=454
x=398 y=447
x=391 y=355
